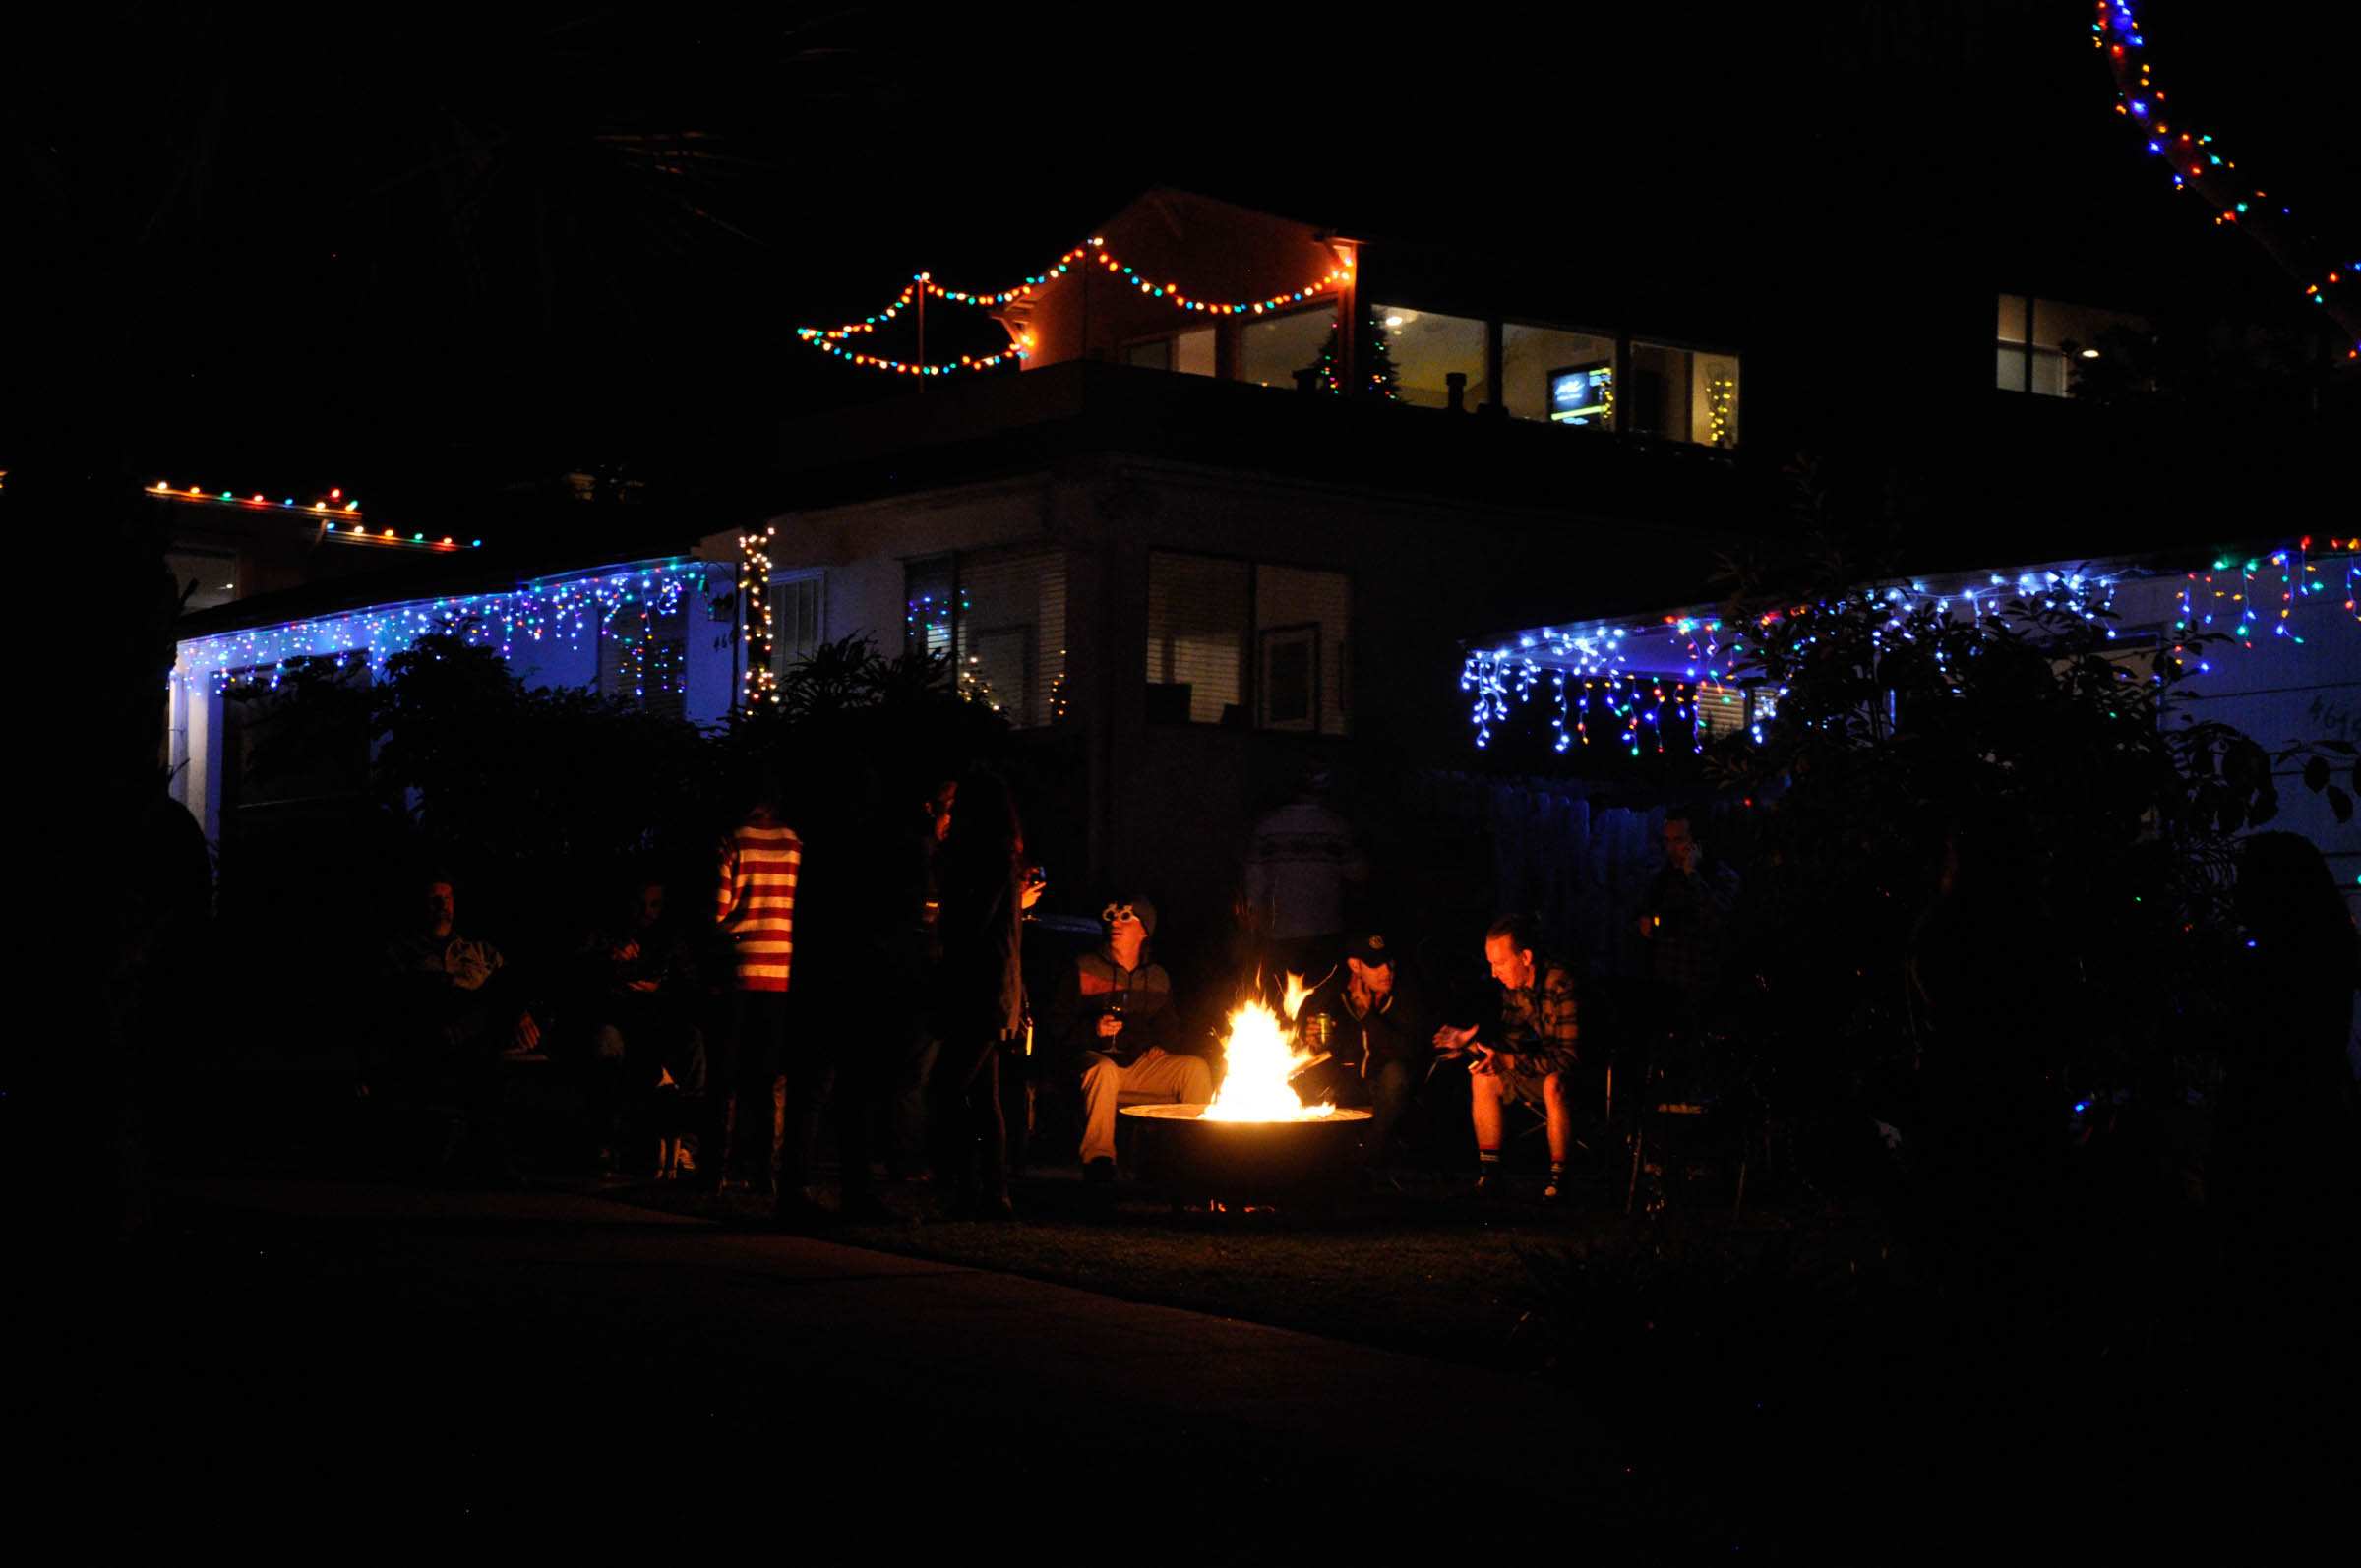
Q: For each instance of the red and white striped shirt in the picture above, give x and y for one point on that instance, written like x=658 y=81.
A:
x=758 y=867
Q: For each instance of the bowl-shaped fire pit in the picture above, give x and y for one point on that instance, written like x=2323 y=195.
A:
x=1189 y=1157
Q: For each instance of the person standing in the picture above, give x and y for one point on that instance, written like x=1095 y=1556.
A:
x=1298 y=862
x=985 y=893
x=1684 y=919
x=760 y=864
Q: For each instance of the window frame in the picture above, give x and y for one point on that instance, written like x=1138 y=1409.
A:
x=1250 y=673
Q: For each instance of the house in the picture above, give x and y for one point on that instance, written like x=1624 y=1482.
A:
x=1144 y=529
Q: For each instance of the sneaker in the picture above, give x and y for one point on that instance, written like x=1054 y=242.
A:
x=1554 y=1194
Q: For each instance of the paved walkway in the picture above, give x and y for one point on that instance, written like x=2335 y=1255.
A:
x=546 y=1358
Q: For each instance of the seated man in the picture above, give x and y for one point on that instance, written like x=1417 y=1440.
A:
x=1374 y=1024
x=451 y=1018
x=1532 y=1057
x=642 y=1009
x=1115 y=1013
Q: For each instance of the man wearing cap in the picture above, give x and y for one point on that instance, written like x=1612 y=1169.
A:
x=1377 y=1037
x=1115 y=1013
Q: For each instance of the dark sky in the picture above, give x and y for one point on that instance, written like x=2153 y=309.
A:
x=439 y=248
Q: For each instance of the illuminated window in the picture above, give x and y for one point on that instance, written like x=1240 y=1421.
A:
x=1272 y=349
x=1214 y=621
x=1681 y=394
x=998 y=616
x=1191 y=354
x=2040 y=339
x=642 y=657
x=1426 y=346
x=1565 y=378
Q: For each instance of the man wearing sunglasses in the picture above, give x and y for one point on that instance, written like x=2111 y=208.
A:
x=1115 y=1013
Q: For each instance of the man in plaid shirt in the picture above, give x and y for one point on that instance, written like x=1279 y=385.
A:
x=1534 y=1056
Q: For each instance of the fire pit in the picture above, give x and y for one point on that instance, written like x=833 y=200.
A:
x=1257 y=1139
x=1188 y=1155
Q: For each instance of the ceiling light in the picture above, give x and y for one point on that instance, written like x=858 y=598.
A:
x=2090 y=353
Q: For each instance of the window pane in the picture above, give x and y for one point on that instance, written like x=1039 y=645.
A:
x=2012 y=318
x=1304 y=623
x=1197 y=622
x=796 y=615
x=2050 y=373
x=1271 y=351
x=1425 y=347
x=927 y=623
x=2010 y=377
x=2056 y=325
x=1192 y=352
x=641 y=653
x=1155 y=355
x=1565 y=377
x=1012 y=634
x=1682 y=396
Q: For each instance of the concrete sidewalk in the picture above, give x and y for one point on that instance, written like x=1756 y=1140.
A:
x=553 y=1334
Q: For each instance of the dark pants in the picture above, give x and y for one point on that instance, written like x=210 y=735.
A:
x=916 y=1051
x=748 y=1052
x=973 y=1136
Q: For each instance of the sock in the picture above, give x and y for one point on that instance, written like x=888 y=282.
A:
x=1558 y=1168
x=1487 y=1156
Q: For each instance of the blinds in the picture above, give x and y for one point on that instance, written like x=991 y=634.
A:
x=1011 y=628
x=797 y=623
x=1199 y=609
x=642 y=657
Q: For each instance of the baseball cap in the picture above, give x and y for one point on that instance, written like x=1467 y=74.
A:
x=1370 y=948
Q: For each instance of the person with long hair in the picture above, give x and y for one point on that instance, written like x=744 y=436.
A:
x=985 y=892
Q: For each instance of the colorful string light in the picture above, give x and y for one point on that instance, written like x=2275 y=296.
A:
x=1577 y=670
x=832 y=339
x=546 y=611
x=340 y=518
x=2196 y=162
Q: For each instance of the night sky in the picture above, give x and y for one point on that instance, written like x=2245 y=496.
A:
x=444 y=250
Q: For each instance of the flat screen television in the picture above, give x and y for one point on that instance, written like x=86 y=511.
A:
x=1580 y=394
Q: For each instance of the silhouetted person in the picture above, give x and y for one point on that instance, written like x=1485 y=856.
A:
x=1299 y=863
x=2283 y=1173
x=846 y=906
x=910 y=1004
x=451 y=1015
x=1684 y=918
x=641 y=1003
x=1987 y=976
x=984 y=894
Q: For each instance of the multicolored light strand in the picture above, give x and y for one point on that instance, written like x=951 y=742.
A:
x=568 y=611
x=340 y=519
x=2198 y=165
x=1631 y=669
x=832 y=339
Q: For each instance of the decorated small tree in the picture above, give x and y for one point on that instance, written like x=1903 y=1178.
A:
x=1374 y=371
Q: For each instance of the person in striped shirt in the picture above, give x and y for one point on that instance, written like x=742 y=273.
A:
x=759 y=863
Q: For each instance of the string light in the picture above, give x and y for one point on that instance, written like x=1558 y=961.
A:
x=1608 y=676
x=2194 y=163
x=760 y=681
x=568 y=611
x=833 y=340
x=332 y=505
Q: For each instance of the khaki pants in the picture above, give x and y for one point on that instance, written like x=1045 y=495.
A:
x=1159 y=1075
